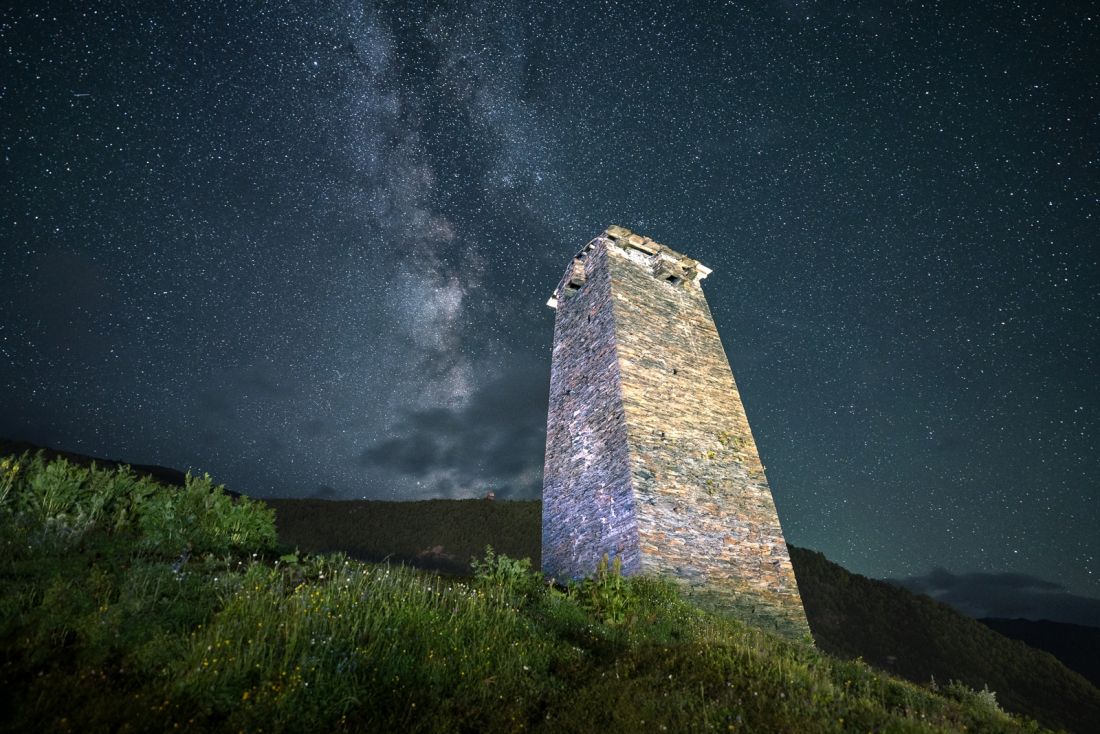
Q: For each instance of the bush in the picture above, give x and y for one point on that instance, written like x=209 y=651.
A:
x=606 y=594
x=58 y=502
x=202 y=518
x=984 y=700
x=61 y=502
x=509 y=578
x=9 y=472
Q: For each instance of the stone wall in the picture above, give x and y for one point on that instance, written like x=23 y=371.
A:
x=587 y=501
x=649 y=452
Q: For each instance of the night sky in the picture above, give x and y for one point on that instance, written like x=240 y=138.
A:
x=307 y=247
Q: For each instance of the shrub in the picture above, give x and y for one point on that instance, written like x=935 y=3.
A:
x=606 y=594
x=512 y=579
x=59 y=501
x=984 y=700
x=202 y=518
x=9 y=472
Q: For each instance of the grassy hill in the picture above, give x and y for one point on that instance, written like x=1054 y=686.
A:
x=916 y=637
x=1077 y=646
x=851 y=617
x=126 y=605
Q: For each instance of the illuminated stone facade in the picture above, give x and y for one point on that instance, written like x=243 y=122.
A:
x=649 y=456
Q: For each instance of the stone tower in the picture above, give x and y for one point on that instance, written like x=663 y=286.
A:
x=649 y=456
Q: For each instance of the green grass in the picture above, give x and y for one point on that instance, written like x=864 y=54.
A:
x=906 y=635
x=128 y=606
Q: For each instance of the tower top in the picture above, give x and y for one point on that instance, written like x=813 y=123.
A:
x=664 y=262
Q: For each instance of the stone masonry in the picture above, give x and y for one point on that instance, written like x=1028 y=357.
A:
x=649 y=456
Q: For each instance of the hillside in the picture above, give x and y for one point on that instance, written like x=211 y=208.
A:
x=1077 y=646
x=917 y=638
x=851 y=616
x=126 y=605
x=444 y=535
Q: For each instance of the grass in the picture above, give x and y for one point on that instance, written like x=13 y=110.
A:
x=128 y=606
x=906 y=635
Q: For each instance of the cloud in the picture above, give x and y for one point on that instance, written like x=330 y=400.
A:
x=1011 y=595
x=495 y=440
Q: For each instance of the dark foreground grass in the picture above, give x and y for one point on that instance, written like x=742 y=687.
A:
x=126 y=606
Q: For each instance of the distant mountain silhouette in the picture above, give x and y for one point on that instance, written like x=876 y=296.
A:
x=438 y=535
x=1004 y=595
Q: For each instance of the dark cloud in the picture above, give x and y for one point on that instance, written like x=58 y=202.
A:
x=495 y=441
x=1009 y=595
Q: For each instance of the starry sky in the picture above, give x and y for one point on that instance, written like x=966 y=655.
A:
x=306 y=247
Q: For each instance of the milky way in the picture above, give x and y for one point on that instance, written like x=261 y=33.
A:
x=307 y=247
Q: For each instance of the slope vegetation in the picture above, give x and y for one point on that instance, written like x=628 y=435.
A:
x=919 y=639
x=1076 y=646
x=126 y=605
x=851 y=616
